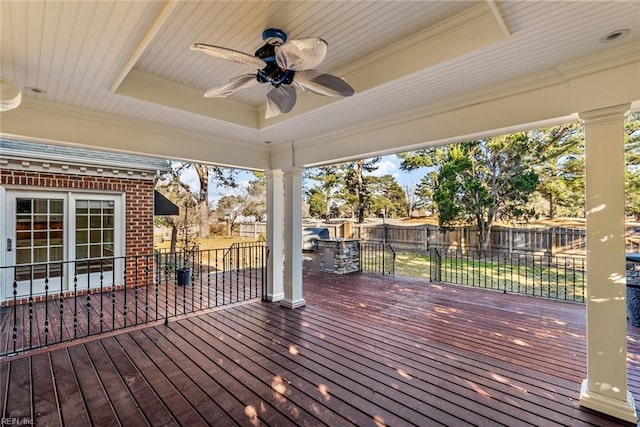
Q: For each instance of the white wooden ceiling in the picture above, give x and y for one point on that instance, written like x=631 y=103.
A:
x=130 y=60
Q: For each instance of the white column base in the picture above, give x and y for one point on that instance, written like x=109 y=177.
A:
x=623 y=410
x=287 y=303
x=275 y=297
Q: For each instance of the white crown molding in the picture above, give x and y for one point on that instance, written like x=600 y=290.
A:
x=71 y=126
x=605 y=60
x=22 y=162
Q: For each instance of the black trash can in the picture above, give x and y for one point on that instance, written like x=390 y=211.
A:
x=183 y=275
x=633 y=289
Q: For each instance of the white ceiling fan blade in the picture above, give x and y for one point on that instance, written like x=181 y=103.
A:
x=322 y=84
x=233 y=85
x=230 y=55
x=301 y=54
x=280 y=100
x=10 y=94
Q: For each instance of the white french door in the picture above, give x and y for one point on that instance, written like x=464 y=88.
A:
x=59 y=241
x=95 y=240
x=39 y=235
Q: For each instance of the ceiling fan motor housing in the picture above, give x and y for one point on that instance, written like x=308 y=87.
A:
x=274 y=36
x=272 y=73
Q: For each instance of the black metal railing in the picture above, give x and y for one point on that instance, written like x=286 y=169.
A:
x=377 y=257
x=555 y=277
x=50 y=303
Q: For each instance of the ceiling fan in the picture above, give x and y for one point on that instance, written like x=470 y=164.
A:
x=284 y=65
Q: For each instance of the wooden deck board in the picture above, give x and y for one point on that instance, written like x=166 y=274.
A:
x=383 y=356
x=365 y=350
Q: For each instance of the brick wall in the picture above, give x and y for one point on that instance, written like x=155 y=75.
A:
x=138 y=205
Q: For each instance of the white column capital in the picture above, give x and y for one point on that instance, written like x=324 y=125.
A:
x=293 y=170
x=603 y=115
x=274 y=173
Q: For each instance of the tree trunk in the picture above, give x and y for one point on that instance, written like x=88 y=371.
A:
x=552 y=207
x=203 y=217
x=174 y=238
x=203 y=199
x=360 y=192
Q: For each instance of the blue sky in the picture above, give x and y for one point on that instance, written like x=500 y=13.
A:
x=387 y=165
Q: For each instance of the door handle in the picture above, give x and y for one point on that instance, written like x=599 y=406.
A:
x=9 y=244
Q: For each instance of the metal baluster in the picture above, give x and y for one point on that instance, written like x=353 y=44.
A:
x=124 y=286
x=61 y=307
x=135 y=290
x=30 y=308
x=146 y=287
x=88 y=311
x=217 y=257
x=15 y=311
x=75 y=304
x=166 y=296
x=46 y=310
x=209 y=278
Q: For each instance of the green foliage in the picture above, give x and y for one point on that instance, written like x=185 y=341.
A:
x=632 y=140
x=356 y=190
x=317 y=202
x=329 y=179
x=473 y=182
x=385 y=196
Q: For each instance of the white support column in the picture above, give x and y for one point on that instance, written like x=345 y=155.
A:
x=293 y=238
x=275 y=222
x=605 y=388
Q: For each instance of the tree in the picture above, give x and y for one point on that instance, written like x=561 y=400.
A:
x=329 y=179
x=317 y=202
x=256 y=196
x=632 y=159
x=248 y=201
x=560 y=167
x=385 y=196
x=355 y=189
x=430 y=159
x=411 y=197
x=180 y=194
x=206 y=174
x=481 y=179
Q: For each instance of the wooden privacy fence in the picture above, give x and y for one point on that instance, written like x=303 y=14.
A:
x=545 y=240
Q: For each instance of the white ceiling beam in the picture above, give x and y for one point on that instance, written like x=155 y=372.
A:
x=499 y=18
x=162 y=17
x=151 y=88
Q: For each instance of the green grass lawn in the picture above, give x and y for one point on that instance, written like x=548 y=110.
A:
x=541 y=276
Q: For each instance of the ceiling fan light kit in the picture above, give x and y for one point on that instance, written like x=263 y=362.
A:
x=10 y=94
x=284 y=65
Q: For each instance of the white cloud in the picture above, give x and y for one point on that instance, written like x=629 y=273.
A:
x=388 y=165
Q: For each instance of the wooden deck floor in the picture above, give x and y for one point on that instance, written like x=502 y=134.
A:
x=366 y=350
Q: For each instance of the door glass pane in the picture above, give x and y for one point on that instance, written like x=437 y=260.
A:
x=82 y=237
x=82 y=221
x=23 y=256
x=94 y=225
x=23 y=239
x=39 y=236
x=41 y=206
x=56 y=206
x=23 y=206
